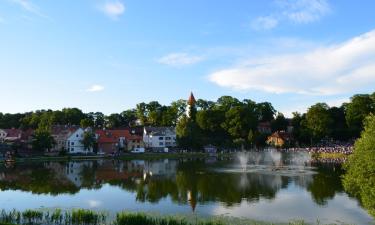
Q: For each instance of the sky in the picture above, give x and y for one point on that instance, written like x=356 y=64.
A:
x=109 y=55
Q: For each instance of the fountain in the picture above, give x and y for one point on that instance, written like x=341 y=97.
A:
x=272 y=162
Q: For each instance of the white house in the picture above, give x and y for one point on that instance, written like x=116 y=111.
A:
x=74 y=143
x=159 y=138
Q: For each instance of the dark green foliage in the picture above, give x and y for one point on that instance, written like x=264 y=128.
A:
x=360 y=177
x=42 y=140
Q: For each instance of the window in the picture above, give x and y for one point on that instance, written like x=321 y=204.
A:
x=168 y=138
x=161 y=143
x=161 y=138
x=77 y=135
x=72 y=149
x=72 y=143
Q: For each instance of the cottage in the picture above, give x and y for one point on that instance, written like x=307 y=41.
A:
x=10 y=135
x=159 y=138
x=74 y=143
x=279 y=139
x=60 y=134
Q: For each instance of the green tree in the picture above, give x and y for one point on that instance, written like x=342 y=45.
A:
x=188 y=134
x=89 y=140
x=359 y=179
x=280 y=123
x=266 y=111
x=356 y=111
x=239 y=120
x=42 y=140
x=319 y=121
x=87 y=122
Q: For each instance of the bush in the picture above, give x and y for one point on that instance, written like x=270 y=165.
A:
x=360 y=177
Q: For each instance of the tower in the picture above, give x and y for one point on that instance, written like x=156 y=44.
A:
x=190 y=105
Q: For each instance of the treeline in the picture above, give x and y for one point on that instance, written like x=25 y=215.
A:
x=225 y=122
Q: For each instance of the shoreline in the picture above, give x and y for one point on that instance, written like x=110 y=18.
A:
x=321 y=157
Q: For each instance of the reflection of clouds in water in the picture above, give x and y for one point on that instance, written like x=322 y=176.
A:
x=94 y=203
x=289 y=205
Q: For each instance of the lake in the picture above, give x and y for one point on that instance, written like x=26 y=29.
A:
x=204 y=187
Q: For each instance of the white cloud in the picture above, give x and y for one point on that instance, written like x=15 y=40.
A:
x=180 y=59
x=95 y=88
x=296 y=11
x=332 y=69
x=305 y=11
x=264 y=23
x=94 y=203
x=30 y=7
x=113 y=9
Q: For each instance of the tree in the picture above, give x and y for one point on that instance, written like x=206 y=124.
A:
x=239 y=120
x=87 y=122
x=266 y=111
x=356 y=111
x=359 y=179
x=280 y=123
x=89 y=140
x=73 y=116
x=42 y=140
x=318 y=120
x=188 y=134
x=141 y=113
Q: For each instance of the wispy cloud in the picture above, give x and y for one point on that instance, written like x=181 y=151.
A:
x=30 y=7
x=180 y=59
x=95 y=88
x=296 y=11
x=264 y=23
x=333 y=69
x=305 y=11
x=113 y=9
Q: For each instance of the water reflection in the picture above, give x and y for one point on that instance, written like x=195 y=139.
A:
x=188 y=183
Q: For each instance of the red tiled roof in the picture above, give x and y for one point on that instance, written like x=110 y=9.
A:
x=13 y=133
x=191 y=100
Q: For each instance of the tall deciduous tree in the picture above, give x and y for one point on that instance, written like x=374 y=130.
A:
x=319 y=121
x=356 y=111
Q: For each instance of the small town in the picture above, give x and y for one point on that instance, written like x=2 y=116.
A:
x=131 y=112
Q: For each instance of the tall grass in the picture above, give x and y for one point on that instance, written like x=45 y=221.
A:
x=89 y=217
x=57 y=217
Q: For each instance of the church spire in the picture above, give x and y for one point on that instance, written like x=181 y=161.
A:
x=191 y=100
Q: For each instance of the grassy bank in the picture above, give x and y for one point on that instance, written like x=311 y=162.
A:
x=89 y=217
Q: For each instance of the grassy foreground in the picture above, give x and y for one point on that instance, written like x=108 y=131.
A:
x=89 y=217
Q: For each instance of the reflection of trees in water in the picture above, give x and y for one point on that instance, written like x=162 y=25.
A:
x=35 y=178
x=326 y=183
x=185 y=181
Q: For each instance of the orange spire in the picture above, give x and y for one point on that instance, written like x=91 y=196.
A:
x=191 y=100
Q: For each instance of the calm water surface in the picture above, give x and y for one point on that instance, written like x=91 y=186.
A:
x=198 y=187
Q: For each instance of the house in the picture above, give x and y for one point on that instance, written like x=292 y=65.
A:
x=264 y=128
x=60 y=134
x=134 y=142
x=159 y=138
x=10 y=135
x=279 y=139
x=74 y=143
x=110 y=141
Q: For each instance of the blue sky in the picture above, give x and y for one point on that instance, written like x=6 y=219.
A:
x=109 y=55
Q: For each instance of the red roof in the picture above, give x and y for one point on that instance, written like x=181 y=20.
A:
x=13 y=133
x=113 y=136
x=191 y=100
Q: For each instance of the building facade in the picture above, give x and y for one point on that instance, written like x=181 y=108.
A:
x=159 y=138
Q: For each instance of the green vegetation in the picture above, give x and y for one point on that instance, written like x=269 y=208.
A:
x=227 y=122
x=56 y=217
x=42 y=140
x=89 y=217
x=360 y=177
